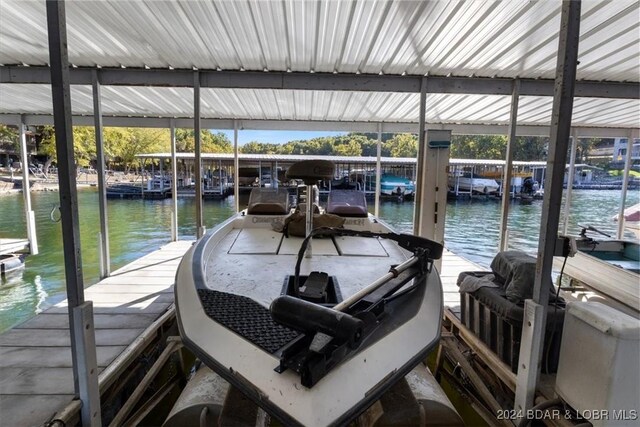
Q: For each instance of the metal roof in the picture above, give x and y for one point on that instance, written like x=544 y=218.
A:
x=482 y=38
x=480 y=41
x=335 y=106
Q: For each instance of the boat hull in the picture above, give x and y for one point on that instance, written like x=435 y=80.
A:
x=610 y=268
x=11 y=262
x=352 y=385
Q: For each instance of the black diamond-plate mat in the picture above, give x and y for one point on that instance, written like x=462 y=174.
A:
x=247 y=318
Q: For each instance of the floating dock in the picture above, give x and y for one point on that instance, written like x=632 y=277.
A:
x=35 y=356
x=36 y=378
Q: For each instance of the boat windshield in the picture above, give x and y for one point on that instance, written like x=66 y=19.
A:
x=268 y=201
x=350 y=203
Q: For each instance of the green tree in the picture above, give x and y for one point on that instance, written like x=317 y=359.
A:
x=255 y=147
x=402 y=145
x=478 y=146
x=84 y=144
x=530 y=148
x=9 y=137
x=210 y=142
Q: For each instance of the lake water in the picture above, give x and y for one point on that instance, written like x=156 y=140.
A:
x=137 y=227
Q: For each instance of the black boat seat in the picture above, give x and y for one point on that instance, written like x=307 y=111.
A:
x=268 y=201
x=311 y=171
x=348 y=203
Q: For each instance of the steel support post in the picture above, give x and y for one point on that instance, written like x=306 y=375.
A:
x=572 y=171
x=61 y=97
x=236 y=167
x=417 y=226
x=198 y=158
x=533 y=329
x=105 y=262
x=26 y=190
x=625 y=184
x=88 y=389
x=174 y=183
x=378 y=172
x=508 y=167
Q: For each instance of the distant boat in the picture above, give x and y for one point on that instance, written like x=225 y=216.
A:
x=393 y=185
x=631 y=219
x=474 y=185
x=11 y=262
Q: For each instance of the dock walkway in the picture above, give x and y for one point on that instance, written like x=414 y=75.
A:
x=36 y=376
x=35 y=357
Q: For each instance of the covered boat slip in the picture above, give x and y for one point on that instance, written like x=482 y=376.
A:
x=36 y=378
x=387 y=67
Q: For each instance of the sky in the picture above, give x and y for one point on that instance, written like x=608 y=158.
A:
x=274 y=136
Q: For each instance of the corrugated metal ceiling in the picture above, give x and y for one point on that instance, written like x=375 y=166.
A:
x=290 y=105
x=513 y=38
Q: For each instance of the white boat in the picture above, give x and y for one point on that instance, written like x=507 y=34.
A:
x=376 y=310
x=608 y=269
x=473 y=184
x=631 y=219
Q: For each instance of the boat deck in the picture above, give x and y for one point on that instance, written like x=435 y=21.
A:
x=36 y=377
x=11 y=246
x=35 y=356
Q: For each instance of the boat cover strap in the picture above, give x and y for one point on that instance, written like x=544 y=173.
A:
x=247 y=318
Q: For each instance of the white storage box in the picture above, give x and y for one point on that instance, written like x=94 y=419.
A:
x=599 y=366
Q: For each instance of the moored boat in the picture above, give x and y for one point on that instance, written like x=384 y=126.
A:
x=312 y=336
x=608 y=268
x=473 y=185
x=393 y=185
x=11 y=262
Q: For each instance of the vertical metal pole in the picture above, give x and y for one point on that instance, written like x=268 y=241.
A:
x=82 y=354
x=236 y=166
x=26 y=190
x=198 y=157
x=105 y=262
x=275 y=181
x=625 y=183
x=174 y=182
x=534 y=325
x=376 y=210
x=417 y=215
x=508 y=167
x=569 y=193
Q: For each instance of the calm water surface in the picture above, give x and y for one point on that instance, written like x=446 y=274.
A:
x=137 y=227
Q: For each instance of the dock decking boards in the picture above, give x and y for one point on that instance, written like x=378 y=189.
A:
x=35 y=356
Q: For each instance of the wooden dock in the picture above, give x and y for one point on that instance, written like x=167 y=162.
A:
x=452 y=266
x=12 y=246
x=35 y=357
x=36 y=377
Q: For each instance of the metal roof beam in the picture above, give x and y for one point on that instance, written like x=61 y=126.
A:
x=318 y=81
x=395 y=127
